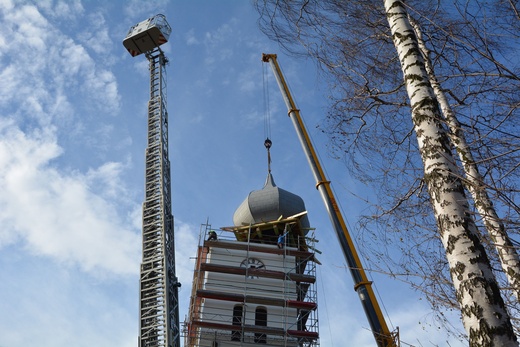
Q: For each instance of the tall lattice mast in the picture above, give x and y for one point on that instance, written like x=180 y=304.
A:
x=158 y=302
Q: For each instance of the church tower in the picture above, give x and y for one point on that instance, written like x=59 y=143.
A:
x=254 y=282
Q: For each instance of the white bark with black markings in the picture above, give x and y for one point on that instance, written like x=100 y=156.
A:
x=509 y=258
x=484 y=316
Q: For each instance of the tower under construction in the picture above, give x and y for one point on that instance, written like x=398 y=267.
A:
x=158 y=291
x=254 y=282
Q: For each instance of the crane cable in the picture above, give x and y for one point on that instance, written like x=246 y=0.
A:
x=267 y=115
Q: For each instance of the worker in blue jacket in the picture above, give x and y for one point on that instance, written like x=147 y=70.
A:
x=281 y=239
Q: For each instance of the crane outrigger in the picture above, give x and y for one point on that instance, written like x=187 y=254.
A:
x=362 y=285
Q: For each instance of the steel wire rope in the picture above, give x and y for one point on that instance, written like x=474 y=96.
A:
x=267 y=105
x=326 y=307
x=267 y=116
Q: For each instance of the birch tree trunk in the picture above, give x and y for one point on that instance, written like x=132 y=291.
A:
x=483 y=313
x=474 y=181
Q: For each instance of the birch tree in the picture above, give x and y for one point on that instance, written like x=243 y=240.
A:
x=369 y=115
x=483 y=311
x=474 y=182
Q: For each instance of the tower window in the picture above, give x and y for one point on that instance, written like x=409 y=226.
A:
x=261 y=320
x=238 y=310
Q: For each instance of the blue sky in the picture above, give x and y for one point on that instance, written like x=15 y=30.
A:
x=72 y=140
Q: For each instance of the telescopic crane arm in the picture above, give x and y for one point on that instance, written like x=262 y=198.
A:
x=362 y=285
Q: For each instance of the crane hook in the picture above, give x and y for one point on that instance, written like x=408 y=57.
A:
x=267 y=144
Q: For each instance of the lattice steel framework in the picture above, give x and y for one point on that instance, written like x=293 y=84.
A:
x=159 y=302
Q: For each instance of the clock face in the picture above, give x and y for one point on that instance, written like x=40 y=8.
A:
x=252 y=263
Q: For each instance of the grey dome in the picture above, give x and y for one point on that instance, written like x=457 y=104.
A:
x=269 y=204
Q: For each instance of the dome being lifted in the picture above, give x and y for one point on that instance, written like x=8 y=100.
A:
x=269 y=204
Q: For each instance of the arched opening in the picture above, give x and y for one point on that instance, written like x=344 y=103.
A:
x=238 y=311
x=261 y=320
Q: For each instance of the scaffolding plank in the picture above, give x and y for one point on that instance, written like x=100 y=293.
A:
x=257 y=329
x=261 y=249
x=234 y=270
x=303 y=333
x=253 y=299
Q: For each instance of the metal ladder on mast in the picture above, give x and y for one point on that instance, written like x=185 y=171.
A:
x=159 y=303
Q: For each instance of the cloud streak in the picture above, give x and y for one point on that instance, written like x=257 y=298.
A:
x=67 y=215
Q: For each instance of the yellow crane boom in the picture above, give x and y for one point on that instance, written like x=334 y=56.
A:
x=362 y=285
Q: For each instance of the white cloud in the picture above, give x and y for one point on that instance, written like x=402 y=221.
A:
x=220 y=43
x=68 y=216
x=42 y=302
x=42 y=61
x=186 y=239
x=10 y=82
x=68 y=8
x=95 y=35
x=252 y=119
x=248 y=81
x=138 y=8
x=190 y=38
x=214 y=39
x=48 y=79
x=61 y=9
x=107 y=176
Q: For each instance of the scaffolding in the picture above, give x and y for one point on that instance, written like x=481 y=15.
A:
x=247 y=291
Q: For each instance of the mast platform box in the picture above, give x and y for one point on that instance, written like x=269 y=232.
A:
x=147 y=35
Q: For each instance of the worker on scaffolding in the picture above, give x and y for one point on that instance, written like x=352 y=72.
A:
x=281 y=238
x=212 y=235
